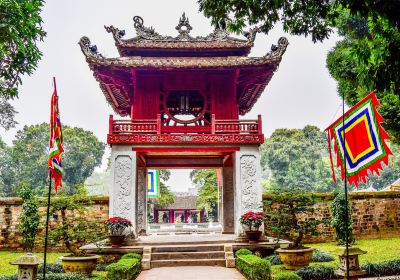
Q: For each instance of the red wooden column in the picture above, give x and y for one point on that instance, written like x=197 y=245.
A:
x=171 y=216
x=186 y=216
x=156 y=216
x=202 y=216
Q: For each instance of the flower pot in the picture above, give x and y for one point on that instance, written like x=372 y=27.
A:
x=294 y=259
x=253 y=236
x=116 y=240
x=84 y=265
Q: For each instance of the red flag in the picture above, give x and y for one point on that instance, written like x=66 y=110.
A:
x=56 y=142
x=359 y=142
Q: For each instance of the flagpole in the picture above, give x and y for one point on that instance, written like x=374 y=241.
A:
x=47 y=227
x=345 y=195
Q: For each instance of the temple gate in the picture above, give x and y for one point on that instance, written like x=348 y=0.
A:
x=183 y=96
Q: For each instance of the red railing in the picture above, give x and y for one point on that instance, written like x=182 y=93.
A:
x=153 y=126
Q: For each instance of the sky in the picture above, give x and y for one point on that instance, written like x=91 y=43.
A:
x=300 y=93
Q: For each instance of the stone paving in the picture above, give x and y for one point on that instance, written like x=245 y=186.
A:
x=191 y=273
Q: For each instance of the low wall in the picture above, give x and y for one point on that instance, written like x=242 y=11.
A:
x=10 y=210
x=375 y=215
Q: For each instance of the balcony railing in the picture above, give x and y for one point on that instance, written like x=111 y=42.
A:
x=153 y=126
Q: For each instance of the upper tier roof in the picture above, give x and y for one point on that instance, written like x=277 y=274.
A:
x=150 y=43
x=150 y=51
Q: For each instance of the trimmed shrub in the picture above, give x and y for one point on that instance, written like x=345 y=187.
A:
x=123 y=269
x=101 y=267
x=51 y=267
x=287 y=275
x=321 y=256
x=385 y=268
x=274 y=259
x=317 y=273
x=254 y=267
x=131 y=256
x=9 y=277
x=243 y=251
x=50 y=276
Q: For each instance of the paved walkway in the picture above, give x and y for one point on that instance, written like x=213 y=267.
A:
x=191 y=273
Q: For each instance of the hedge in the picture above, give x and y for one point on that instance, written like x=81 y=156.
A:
x=317 y=272
x=253 y=267
x=126 y=268
x=385 y=268
x=243 y=251
x=50 y=276
x=287 y=275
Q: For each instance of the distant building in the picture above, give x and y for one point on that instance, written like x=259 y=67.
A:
x=183 y=210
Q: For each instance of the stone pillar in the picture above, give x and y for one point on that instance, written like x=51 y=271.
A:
x=248 y=188
x=123 y=181
x=228 y=200
x=141 y=206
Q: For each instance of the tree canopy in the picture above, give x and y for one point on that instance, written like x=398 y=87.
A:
x=367 y=59
x=206 y=182
x=297 y=158
x=27 y=158
x=20 y=30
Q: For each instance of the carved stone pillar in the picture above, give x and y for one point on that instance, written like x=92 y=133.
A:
x=248 y=189
x=123 y=180
x=141 y=190
x=228 y=200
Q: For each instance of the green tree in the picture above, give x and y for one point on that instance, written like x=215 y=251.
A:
x=6 y=169
x=368 y=59
x=297 y=158
x=29 y=154
x=30 y=217
x=338 y=220
x=20 y=30
x=206 y=181
x=7 y=113
x=166 y=195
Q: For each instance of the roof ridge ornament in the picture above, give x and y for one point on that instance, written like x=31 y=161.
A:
x=147 y=33
x=278 y=50
x=90 y=51
x=117 y=33
x=184 y=29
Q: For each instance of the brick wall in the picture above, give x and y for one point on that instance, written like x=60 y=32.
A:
x=10 y=210
x=375 y=215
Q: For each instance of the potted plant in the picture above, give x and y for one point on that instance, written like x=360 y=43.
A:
x=253 y=221
x=116 y=227
x=72 y=227
x=291 y=218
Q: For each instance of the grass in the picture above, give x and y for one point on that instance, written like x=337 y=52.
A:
x=6 y=257
x=378 y=250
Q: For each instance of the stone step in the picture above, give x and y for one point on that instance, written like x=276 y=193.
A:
x=188 y=255
x=188 y=248
x=188 y=262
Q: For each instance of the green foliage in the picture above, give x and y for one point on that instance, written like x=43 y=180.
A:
x=385 y=268
x=131 y=256
x=125 y=268
x=166 y=195
x=29 y=155
x=298 y=158
x=253 y=267
x=73 y=227
x=7 y=113
x=287 y=275
x=30 y=217
x=20 y=30
x=243 y=251
x=51 y=267
x=6 y=169
x=274 y=259
x=321 y=256
x=207 y=199
x=338 y=220
x=368 y=59
x=288 y=213
x=50 y=276
x=317 y=273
